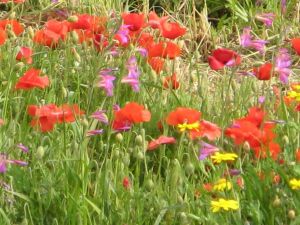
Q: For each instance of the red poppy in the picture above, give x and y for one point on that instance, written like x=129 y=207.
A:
x=154 y=144
x=257 y=132
x=47 y=38
x=164 y=49
x=25 y=53
x=156 y=63
x=59 y=27
x=134 y=20
x=222 y=57
x=84 y=36
x=130 y=114
x=100 y=41
x=207 y=129
x=31 y=79
x=15 y=1
x=94 y=24
x=171 y=82
x=296 y=45
x=183 y=116
x=145 y=40
x=126 y=183
x=208 y=187
x=53 y=32
x=17 y=28
x=45 y=117
x=264 y=72
x=2 y=36
x=172 y=30
x=298 y=155
x=155 y=21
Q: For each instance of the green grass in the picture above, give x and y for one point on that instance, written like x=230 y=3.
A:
x=72 y=179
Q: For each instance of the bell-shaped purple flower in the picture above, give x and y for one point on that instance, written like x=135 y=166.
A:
x=206 y=150
x=266 y=18
x=133 y=74
x=106 y=81
x=247 y=42
x=101 y=116
x=22 y=147
x=94 y=132
x=4 y=161
x=282 y=65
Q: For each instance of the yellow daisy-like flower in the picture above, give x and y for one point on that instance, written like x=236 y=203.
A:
x=222 y=185
x=227 y=205
x=220 y=157
x=294 y=95
x=294 y=184
x=185 y=126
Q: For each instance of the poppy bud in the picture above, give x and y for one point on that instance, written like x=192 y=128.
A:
x=85 y=122
x=126 y=159
x=10 y=32
x=19 y=65
x=73 y=18
x=246 y=146
x=116 y=153
x=183 y=218
x=149 y=184
x=153 y=76
x=139 y=140
x=119 y=137
x=40 y=152
x=140 y=155
x=291 y=214
x=30 y=32
x=189 y=168
x=286 y=140
x=277 y=201
x=64 y=92
x=74 y=37
x=12 y=15
x=175 y=174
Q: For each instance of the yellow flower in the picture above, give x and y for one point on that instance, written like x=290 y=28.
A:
x=227 y=205
x=221 y=185
x=220 y=157
x=294 y=95
x=295 y=184
x=185 y=126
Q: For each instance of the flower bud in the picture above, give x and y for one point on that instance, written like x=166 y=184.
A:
x=175 y=173
x=126 y=159
x=119 y=137
x=73 y=18
x=149 y=184
x=116 y=153
x=30 y=32
x=40 y=152
x=139 y=140
x=12 y=15
x=277 y=201
x=64 y=92
x=292 y=214
x=140 y=155
x=183 y=218
x=85 y=122
x=19 y=65
x=286 y=140
x=189 y=168
x=246 y=146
